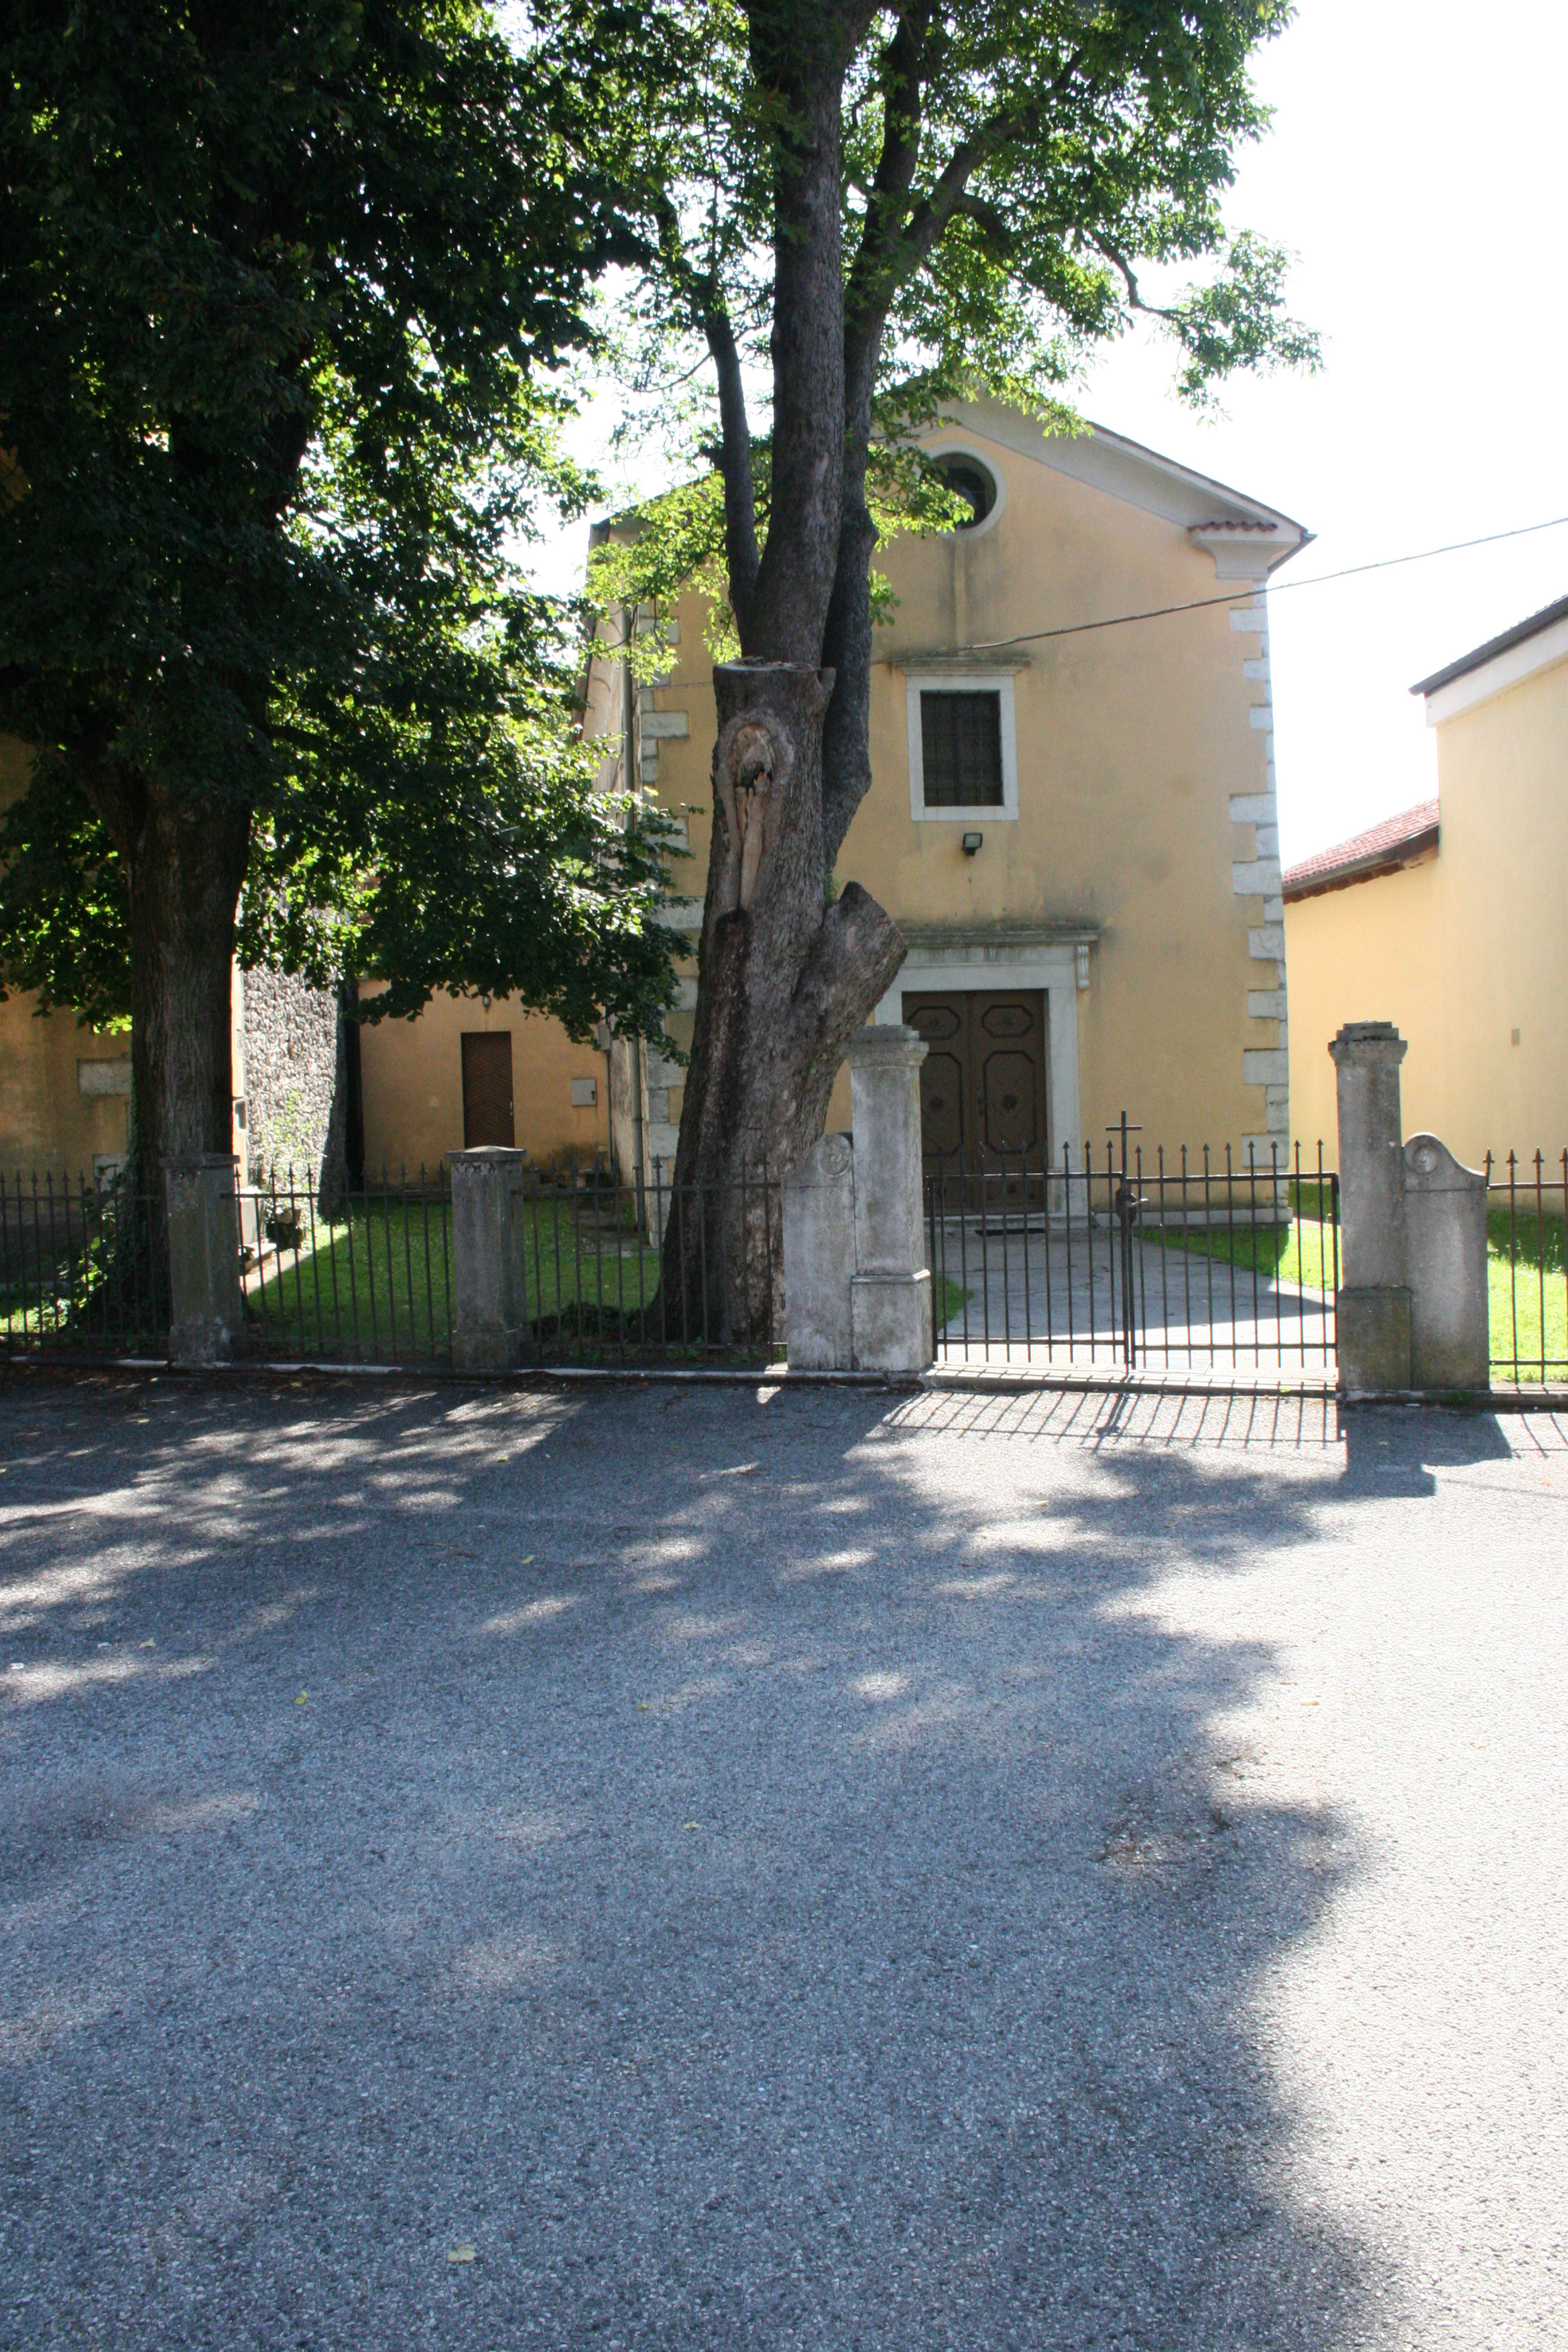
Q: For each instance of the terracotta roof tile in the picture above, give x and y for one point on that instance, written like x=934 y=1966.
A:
x=1382 y=849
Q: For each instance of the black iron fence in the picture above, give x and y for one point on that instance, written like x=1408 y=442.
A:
x=83 y=1267
x=1165 y=1262
x=1527 y=1271
x=609 y=1273
x=1169 y=1263
x=364 y=1276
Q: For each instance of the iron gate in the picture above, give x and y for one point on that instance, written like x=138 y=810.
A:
x=1190 y=1262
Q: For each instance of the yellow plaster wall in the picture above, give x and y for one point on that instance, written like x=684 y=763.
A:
x=1365 y=953
x=47 y=1123
x=1463 y=949
x=413 y=1085
x=1130 y=743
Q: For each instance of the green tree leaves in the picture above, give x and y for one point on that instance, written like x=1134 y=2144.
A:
x=283 y=291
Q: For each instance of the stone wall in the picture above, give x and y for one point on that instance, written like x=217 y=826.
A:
x=295 y=1081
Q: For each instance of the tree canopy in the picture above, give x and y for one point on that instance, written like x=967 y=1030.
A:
x=1011 y=176
x=870 y=209
x=281 y=295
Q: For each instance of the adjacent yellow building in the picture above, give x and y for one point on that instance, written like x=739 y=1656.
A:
x=1452 y=920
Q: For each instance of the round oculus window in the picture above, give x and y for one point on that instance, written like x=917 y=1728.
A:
x=968 y=479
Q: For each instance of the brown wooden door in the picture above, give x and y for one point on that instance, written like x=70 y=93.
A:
x=487 y=1088
x=983 y=1105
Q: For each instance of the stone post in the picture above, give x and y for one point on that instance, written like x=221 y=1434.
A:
x=890 y=1294
x=1446 y=1250
x=207 y=1323
x=1372 y=1309
x=489 y=1302
x=820 y=1258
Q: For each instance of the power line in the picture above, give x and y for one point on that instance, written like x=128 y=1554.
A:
x=1245 y=596
x=1242 y=597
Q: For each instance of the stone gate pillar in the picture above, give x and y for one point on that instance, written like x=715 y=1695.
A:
x=206 y=1324
x=1372 y=1309
x=890 y=1298
x=489 y=1303
x=1446 y=1254
x=820 y=1258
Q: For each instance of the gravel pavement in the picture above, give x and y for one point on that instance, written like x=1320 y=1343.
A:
x=765 y=1868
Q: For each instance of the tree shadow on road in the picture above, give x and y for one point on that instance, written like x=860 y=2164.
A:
x=760 y=1872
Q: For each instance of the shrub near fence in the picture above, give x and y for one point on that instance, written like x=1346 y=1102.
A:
x=83 y=1267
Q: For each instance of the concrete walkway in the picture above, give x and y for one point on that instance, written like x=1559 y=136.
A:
x=1033 y=1298
x=742 y=1869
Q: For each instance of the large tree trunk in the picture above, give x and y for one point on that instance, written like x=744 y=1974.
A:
x=786 y=980
x=186 y=869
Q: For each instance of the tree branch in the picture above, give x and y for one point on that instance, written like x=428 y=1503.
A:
x=900 y=78
x=739 y=488
x=987 y=218
x=1135 y=300
x=708 y=312
x=854 y=957
x=951 y=193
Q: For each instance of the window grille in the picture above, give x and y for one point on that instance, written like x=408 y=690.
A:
x=961 y=749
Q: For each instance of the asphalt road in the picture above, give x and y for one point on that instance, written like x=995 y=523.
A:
x=759 y=1870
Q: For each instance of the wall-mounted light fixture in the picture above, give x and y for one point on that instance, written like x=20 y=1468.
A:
x=972 y=844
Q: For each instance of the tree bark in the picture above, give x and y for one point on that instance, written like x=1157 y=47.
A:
x=186 y=868
x=800 y=54
x=786 y=980
x=847 y=640
x=785 y=977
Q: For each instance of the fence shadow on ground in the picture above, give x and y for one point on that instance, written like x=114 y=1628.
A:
x=755 y=1878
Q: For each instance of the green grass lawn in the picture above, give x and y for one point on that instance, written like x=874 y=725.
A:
x=946 y=1300
x=377 y=1285
x=1303 y=1252
x=1530 y=1311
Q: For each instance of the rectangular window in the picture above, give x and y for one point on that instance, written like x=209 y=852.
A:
x=961 y=749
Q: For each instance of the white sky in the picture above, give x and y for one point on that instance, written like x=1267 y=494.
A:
x=1417 y=169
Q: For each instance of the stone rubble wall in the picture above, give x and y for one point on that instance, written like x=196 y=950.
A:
x=295 y=1082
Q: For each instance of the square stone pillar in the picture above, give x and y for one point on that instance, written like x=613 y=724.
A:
x=820 y=1258
x=206 y=1321
x=489 y=1298
x=890 y=1303
x=1372 y=1312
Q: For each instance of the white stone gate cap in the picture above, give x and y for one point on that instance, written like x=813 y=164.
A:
x=888 y=1044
